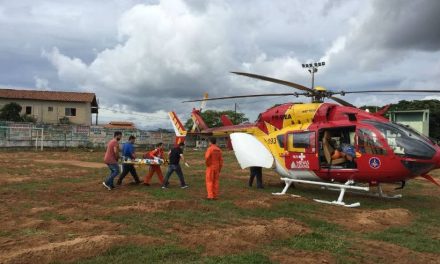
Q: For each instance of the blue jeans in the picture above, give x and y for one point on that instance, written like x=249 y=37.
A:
x=174 y=168
x=114 y=171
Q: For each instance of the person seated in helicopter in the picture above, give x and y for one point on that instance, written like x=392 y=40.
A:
x=347 y=152
x=334 y=154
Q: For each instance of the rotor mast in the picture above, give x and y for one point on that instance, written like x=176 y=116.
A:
x=312 y=68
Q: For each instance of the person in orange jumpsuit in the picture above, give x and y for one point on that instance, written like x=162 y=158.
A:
x=157 y=153
x=214 y=164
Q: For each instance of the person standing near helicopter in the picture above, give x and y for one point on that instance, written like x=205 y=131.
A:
x=256 y=172
x=214 y=164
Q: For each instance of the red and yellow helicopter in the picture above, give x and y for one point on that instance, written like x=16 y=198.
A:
x=331 y=145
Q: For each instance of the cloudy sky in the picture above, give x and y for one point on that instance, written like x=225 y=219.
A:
x=142 y=58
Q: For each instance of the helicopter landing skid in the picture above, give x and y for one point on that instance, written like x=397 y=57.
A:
x=379 y=193
x=341 y=187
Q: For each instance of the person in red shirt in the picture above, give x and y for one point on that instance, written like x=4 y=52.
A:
x=111 y=159
x=214 y=164
x=157 y=153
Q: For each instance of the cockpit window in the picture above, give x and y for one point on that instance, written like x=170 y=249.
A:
x=403 y=141
x=280 y=139
x=301 y=142
x=369 y=143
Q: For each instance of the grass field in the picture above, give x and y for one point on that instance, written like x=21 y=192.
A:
x=55 y=210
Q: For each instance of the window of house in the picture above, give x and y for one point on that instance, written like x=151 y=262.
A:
x=70 y=112
x=50 y=109
x=28 y=110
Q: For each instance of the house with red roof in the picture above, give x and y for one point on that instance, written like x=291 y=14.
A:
x=54 y=107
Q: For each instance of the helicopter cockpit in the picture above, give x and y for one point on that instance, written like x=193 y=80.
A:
x=403 y=141
x=373 y=137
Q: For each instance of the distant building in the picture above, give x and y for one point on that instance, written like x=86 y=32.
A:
x=52 y=107
x=120 y=125
x=416 y=119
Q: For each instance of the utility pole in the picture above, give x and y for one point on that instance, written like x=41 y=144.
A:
x=312 y=68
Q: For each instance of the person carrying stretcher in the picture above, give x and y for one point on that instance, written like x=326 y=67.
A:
x=156 y=154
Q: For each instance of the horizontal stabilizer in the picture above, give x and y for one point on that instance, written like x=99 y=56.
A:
x=250 y=152
x=429 y=178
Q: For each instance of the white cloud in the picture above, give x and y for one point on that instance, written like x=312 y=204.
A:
x=42 y=84
x=72 y=70
x=141 y=120
x=432 y=97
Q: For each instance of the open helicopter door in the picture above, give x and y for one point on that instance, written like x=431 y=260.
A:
x=337 y=153
x=250 y=152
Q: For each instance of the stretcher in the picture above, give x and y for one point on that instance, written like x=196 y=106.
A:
x=144 y=161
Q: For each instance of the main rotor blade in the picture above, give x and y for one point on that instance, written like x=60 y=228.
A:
x=342 y=102
x=269 y=79
x=245 y=96
x=389 y=91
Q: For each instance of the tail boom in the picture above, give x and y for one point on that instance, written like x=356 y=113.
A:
x=179 y=129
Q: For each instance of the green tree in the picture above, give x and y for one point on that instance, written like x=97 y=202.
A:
x=11 y=112
x=212 y=118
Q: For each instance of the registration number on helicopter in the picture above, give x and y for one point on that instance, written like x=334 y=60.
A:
x=270 y=140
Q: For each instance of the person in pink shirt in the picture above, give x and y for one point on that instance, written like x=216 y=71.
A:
x=111 y=159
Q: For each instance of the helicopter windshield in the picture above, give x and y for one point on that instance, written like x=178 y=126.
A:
x=403 y=141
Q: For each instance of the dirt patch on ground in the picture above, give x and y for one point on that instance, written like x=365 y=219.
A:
x=156 y=206
x=80 y=227
x=264 y=202
x=36 y=210
x=287 y=256
x=383 y=252
x=66 y=250
x=260 y=203
x=70 y=250
x=30 y=229
x=6 y=178
x=247 y=236
x=85 y=164
x=373 y=220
